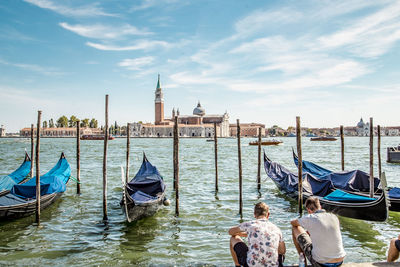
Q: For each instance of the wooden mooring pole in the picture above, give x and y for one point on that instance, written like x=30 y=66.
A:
x=176 y=165
x=216 y=156
x=128 y=147
x=78 y=157
x=379 y=153
x=371 y=158
x=32 y=150
x=342 y=145
x=300 y=167
x=38 y=168
x=105 y=217
x=240 y=169
x=259 y=160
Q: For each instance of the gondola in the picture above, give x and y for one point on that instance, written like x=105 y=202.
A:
x=356 y=181
x=331 y=199
x=357 y=184
x=144 y=194
x=323 y=138
x=21 y=200
x=16 y=177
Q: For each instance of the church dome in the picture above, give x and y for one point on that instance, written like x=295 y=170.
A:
x=360 y=124
x=199 y=110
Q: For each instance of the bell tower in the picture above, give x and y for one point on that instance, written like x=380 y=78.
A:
x=159 y=104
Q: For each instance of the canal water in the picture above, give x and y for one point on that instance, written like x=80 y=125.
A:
x=72 y=232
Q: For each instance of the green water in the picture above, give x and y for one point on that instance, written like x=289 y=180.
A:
x=72 y=232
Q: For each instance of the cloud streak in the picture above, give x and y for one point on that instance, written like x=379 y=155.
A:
x=136 y=63
x=91 y=10
x=141 y=45
x=99 y=31
x=34 y=68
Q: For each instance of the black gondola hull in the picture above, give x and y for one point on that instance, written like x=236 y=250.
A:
x=26 y=209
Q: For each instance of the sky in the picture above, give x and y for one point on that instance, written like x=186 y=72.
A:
x=329 y=62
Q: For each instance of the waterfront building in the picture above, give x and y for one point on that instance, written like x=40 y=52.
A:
x=362 y=128
x=199 y=124
x=2 y=131
x=60 y=132
x=247 y=129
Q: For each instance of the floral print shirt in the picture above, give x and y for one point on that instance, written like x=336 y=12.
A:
x=263 y=241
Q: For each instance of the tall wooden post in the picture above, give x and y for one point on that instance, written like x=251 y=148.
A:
x=300 y=167
x=78 y=157
x=176 y=165
x=38 y=168
x=240 y=169
x=342 y=145
x=128 y=147
x=216 y=156
x=32 y=150
x=371 y=158
x=259 y=160
x=105 y=217
x=379 y=153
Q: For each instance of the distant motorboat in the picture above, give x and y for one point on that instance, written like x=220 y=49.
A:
x=393 y=154
x=95 y=137
x=323 y=138
x=272 y=142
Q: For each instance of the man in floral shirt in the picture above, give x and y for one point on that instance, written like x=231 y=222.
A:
x=265 y=242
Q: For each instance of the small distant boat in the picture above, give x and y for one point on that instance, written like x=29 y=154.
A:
x=21 y=200
x=144 y=194
x=210 y=140
x=323 y=138
x=272 y=142
x=16 y=177
x=95 y=137
x=393 y=154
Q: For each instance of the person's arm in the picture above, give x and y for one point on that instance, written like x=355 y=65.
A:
x=281 y=248
x=295 y=223
x=236 y=231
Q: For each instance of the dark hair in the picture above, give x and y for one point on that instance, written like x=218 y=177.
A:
x=261 y=209
x=313 y=204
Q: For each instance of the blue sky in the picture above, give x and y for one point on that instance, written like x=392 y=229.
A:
x=330 y=62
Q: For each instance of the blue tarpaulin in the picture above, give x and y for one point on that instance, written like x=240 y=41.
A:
x=53 y=181
x=394 y=192
x=146 y=184
x=355 y=180
x=288 y=181
x=341 y=196
x=8 y=181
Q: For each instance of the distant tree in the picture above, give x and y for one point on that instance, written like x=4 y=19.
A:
x=51 y=123
x=62 y=122
x=44 y=124
x=85 y=122
x=72 y=121
x=93 y=123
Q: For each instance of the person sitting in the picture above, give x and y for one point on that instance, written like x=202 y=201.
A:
x=322 y=245
x=394 y=248
x=265 y=241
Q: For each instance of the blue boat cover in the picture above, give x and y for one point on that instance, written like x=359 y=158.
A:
x=288 y=181
x=394 y=192
x=341 y=196
x=355 y=180
x=53 y=181
x=8 y=181
x=147 y=181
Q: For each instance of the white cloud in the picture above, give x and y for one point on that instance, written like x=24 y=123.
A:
x=136 y=63
x=259 y=20
x=90 y=10
x=34 y=68
x=151 y=3
x=99 y=31
x=370 y=36
x=141 y=45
